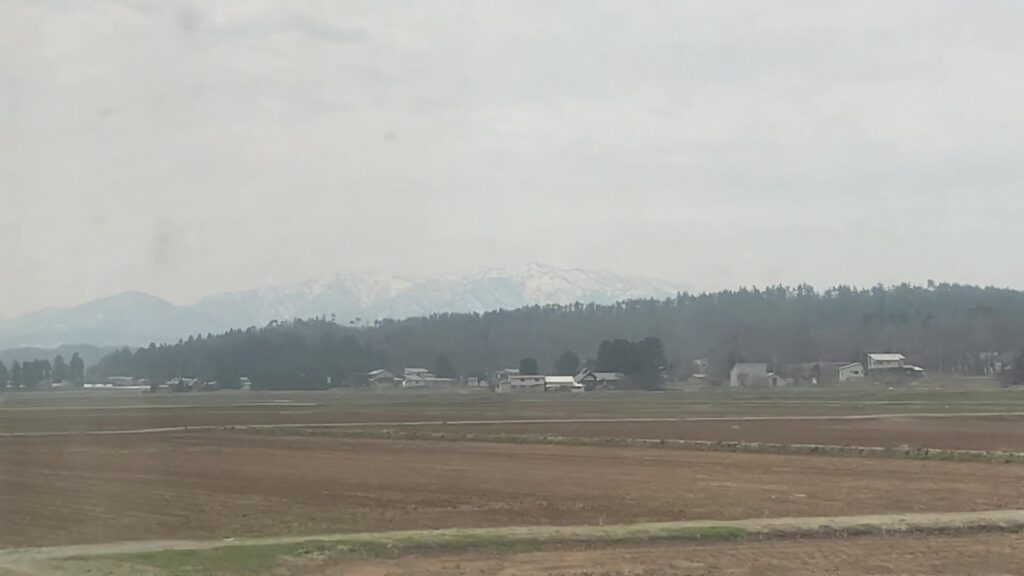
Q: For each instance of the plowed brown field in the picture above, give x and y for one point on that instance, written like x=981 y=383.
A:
x=955 y=433
x=211 y=484
x=921 y=422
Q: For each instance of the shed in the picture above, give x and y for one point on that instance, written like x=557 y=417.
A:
x=747 y=374
x=852 y=371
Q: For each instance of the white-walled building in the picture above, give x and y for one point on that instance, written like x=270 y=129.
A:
x=382 y=379
x=746 y=374
x=591 y=380
x=851 y=372
x=556 y=383
x=886 y=362
x=522 y=383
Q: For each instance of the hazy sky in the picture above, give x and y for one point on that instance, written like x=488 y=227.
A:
x=185 y=148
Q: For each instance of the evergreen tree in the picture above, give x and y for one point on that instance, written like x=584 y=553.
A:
x=35 y=372
x=651 y=365
x=443 y=367
x=60 y=369
x=76 y=370
x=4 y=376
x=529 y=367
x=227 y=376
x=643 y=361
x=568 y=364
x=17 y=380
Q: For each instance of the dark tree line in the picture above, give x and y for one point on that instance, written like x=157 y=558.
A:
x=302 y=354
x=33 y=373
x=943 y=327
x=643 y=362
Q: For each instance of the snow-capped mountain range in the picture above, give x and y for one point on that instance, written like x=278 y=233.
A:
x=135 y=319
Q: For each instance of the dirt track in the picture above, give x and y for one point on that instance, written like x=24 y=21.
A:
x=991 y=521
x=99 y=489
x=998 y=532
x=961 y=431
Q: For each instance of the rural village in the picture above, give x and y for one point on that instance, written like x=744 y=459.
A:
x=890 y=368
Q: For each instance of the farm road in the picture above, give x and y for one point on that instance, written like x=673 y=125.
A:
x=499 y=422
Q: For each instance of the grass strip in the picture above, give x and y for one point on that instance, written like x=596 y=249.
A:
x=269 y=555
x=250 y=558
x=904 y=452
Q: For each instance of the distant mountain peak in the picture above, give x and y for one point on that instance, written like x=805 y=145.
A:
x=136 y=318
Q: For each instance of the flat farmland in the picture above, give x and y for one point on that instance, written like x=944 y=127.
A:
x=66 y=479
x=1003 y=433
x=193 y=485
x=967 y=420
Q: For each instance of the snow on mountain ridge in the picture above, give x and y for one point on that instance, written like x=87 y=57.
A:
x=368 y=296
x=547 y=284
x=372 y=288
x=565 y=286
x=137 y=318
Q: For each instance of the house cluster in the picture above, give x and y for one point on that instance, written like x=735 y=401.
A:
x=511 y=380
x=760 y=374
x=411 y=378
x=994 y=363
x=183 y=384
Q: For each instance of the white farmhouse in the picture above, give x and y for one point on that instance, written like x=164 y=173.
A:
x=746 y=374
x=591 y=380
x=381 y=378
x=416 y=378
x=522 y=382
x=886 y=362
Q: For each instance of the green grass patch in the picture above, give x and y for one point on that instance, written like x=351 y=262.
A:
x=223 y=560
x=269 y=556
x=252 y=559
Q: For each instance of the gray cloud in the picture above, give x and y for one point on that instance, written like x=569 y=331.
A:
x=184 y=148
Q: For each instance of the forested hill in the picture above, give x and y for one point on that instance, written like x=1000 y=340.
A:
x=941 y=327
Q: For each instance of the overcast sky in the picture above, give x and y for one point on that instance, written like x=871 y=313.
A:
x=186 y=148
